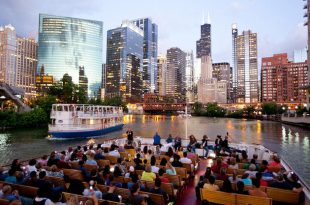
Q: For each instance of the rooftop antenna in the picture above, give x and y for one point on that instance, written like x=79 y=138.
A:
x=208 y=19
x=203 y=18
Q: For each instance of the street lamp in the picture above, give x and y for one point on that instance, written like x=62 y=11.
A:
x=2 y=99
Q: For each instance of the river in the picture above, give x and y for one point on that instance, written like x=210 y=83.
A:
x=292 y=143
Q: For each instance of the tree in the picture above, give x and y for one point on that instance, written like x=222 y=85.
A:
x=249 y=111
x=269 y=108
x=46 y=103
x=198 y=107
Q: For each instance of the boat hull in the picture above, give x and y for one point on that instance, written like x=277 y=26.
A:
x=84 y=133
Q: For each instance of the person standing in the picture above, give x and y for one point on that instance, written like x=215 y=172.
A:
x=156 y=139
x=129 y=136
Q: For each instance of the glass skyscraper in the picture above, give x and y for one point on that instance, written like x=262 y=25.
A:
x=150 y=47
x=124 y=62
x=67 y=43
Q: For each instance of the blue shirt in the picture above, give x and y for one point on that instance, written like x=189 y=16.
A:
x=11 y=179
x=156 y=139
x=247 y=181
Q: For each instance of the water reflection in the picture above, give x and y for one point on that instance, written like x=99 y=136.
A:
x=292 y=143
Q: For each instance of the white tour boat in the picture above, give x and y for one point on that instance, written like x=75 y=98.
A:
x=70 y=121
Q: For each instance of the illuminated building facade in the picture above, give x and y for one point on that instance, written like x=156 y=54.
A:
x=124 y=61
x=43 y=82
x=282 y=79
x=161 y=74
x=67 y=43
x=245 y=74
x=83 y=80
x=150 y=47
x=175 y=81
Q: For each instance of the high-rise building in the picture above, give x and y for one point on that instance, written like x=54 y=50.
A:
x=189 y=77
x=8 y=48
x=161 y=74
x=222 y=72
x=150 y=47
x=83 y=80
x=203 y=45
x=124 y=61
x=26 y=66
x=245 y=73
x=282 y=79
x=176 y=65
x=67 y=43
x=234 y=35
x=43 y=82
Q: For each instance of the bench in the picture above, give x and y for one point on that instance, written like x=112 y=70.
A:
x=103 y=162
x=73 y=174
x=282 y=195
x=57 y=181
x=4 y=202
x=90 y=167
x=23 y=190
x=157 y=199
x=218 y=197
x=166 y=187
x=112 y=159
x=67 y=197
x=253 y=200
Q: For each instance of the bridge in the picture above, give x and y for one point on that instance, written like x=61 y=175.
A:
x=162 y=107
x=10 y=92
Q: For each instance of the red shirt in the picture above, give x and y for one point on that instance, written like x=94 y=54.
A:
x=164 y=179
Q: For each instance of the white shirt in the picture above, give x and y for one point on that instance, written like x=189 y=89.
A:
x=155 y=169
x=252 y=174
x=31 y=168
x=114 y=153
x=47 y=202
x=185 y=160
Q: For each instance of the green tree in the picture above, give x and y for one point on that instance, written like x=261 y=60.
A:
x=269 y=108
x=249 y=111
x=198 y=108
x=45 y=103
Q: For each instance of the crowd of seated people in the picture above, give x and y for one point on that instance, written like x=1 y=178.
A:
x=253 y=174
x=147 y=161
x=149 y=164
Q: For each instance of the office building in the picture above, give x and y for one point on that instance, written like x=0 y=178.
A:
x=150 y=47
x=223 y=72
x=124 y=62
x=8 y=48
x=43 y=82
x=282 y=79
x=245 y=71
x=189 y=77
x=67 y=43
x=175 y=81
x=203 y=45
x=83 y=81
x=161 y=74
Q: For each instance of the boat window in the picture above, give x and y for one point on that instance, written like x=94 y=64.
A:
x=59 y=108
x=59 y=121
x=71 y=108
x=66 y=108
x=54 y=108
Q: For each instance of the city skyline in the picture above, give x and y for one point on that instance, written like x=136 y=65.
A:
x=177 y=29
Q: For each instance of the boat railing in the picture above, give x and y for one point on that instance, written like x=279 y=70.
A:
x=64 y=127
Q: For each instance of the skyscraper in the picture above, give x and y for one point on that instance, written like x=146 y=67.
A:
x=203 y=45
x=189 y=77
x=245 y=68
x=83 y=80
x=150 y=46
x=124 y=62
x=234 y=33
x=26 y=66
x=161 y=74
x=175 y=82
x=222 y=72
x=67 y=43
x=8 y=48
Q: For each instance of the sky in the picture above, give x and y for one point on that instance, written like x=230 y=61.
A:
x=278 y=23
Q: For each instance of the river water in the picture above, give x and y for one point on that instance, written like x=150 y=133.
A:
x=292 y=143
